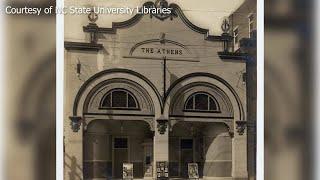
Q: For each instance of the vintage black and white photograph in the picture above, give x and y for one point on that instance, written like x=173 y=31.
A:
x=151 y=82
x=159 y=90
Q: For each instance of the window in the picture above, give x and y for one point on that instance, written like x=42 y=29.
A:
x=251 y=25
x=201 y=102
x=119 y=99
x=186 y=156
x=148 y=160
x=236 y=38
x=186 y=144
x=120 y=143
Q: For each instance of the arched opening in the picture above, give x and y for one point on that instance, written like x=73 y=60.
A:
x=201 y=102
x=202 y=117
x=209 y=145
x=119 y=99
x=118 y=96
x=201 y=99
x=108 y=144
x=119 y=114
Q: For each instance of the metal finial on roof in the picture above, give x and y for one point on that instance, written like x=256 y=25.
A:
x=225 y=26
x=161 y=3
x=162 y=38
x=93 y=17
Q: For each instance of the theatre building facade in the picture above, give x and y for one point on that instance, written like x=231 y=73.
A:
x=154 y=97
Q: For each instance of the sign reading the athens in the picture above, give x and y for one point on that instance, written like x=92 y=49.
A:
x=160 y=48
x=161 y=51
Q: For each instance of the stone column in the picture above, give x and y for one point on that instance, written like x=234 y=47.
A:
x=161 y=142
x=73 y=156
x=239 y=154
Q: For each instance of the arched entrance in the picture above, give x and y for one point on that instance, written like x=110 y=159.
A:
x=108 y=144
x=118 y=111
x=203 y=110
x=209 y=145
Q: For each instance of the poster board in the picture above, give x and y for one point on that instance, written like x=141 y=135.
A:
x=127 y=172
x=193 y=171
x=162 y=170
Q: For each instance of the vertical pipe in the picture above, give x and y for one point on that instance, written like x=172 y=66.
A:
x=164 y=75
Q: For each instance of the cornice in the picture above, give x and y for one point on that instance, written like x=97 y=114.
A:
x=82 y=46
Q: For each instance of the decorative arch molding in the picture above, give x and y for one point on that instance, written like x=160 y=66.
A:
x=161 y=104
x=213 y=81
x=103 y=76
x=97 y=93
x=176 y=11
x=182 y=95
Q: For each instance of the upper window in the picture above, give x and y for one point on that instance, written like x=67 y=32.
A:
x=186 y=143
x=251 y=25
x=119 y=99
x=201 y=102
x=120 y=143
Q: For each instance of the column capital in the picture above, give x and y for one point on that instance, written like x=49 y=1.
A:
x=162 y=124
x=241 y=126
x=75 y=123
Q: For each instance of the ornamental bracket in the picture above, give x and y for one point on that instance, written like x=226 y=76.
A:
x=162 y=125
x=241 y=126
x=75 y=123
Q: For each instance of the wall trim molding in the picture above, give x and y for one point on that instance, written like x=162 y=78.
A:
x=81 y=46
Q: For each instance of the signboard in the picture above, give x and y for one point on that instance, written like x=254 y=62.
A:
x=159 y=48
x=162 y=170
x=193 y=171
x=149 y=50
x=127 y=172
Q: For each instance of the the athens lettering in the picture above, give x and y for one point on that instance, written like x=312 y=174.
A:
x=162 y=51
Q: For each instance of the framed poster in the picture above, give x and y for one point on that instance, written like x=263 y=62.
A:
x=193 y=171
x=162 y=170
x=127 y=172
